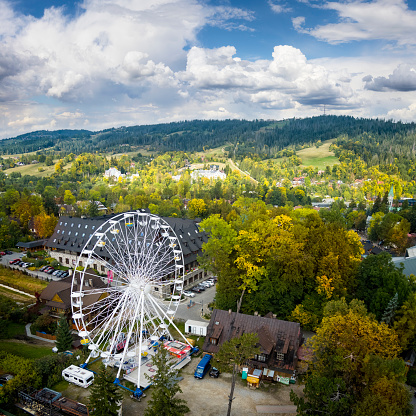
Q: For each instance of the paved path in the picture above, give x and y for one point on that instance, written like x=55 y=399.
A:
x=17 y=290
x=29 y=334
x=272 y=409
x=233 y=166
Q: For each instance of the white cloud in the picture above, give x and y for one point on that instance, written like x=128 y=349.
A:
x=278 y=8
x=389 y=20
x=403 y=79
x=405 y=114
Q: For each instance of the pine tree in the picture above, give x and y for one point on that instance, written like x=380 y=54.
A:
x=63 y=335
x=390 y=311
x=164 y=389
x=105 y=396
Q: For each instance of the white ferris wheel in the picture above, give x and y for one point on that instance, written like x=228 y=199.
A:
x=141 y=256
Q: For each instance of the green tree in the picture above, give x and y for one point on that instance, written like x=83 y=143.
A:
x=378 y=279
x=63 y=335
x=69 y=199
x=390 y=311
x=92 y=209
x=164 y=388
x=235 y=353
x=105 y=396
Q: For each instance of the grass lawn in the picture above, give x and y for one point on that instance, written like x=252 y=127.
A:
x=318 y=157
x=25 y=350
x=15 y=329
x=33 y=170
x=18 y=280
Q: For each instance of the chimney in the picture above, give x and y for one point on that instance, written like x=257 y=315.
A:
x=256 y=313
x=90 y=280
x=229 y=311
x=274 y=316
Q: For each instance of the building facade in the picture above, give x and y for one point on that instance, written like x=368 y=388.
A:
x=71 y=234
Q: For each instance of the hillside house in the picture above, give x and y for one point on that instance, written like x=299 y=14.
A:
x=57 y=295
x=279 y=341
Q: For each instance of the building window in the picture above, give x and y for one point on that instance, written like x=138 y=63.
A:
x=58 y=231
x=280 y=356
x=79 y=225
x=102 y=268
x=66 y=224
x=80 y=263
x=72 y=224
x=213 y=341
x=260 y=357
x=60 y=259
x=93 y=227
x=86 y=226
x=67 y=261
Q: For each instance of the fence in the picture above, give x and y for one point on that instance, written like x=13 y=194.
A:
x=45 y=336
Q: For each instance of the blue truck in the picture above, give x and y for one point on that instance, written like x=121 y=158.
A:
x=203 y=366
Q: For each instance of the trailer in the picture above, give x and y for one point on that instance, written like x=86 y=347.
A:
x=79 y=376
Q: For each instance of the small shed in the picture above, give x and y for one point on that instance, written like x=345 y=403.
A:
x=196 y=327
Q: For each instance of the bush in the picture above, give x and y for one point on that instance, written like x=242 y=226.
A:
x=44 y=323
x=50 y=367
x=55 y=264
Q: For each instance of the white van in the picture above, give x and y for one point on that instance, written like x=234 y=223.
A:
x=79 y=376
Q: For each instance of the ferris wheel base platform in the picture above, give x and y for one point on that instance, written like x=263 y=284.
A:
x=150 y=370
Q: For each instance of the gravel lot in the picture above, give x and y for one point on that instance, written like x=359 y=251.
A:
x=207 y=397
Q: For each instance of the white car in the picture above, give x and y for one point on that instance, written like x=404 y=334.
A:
x=207 y=284
x=188 y=293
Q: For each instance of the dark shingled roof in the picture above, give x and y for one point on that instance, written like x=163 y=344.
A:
x=281 y=336
x=32 y=244
x=72 y=233
x=62 y=288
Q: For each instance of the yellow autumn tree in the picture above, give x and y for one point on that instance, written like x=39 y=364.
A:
x=44 y=224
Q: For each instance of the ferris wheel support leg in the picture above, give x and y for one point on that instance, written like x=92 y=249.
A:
x=140 y=339
x=169 y=319
x=128 y=339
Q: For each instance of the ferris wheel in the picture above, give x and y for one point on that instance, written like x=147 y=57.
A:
x=123 y=315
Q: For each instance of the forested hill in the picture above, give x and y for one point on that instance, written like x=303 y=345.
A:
x=261 y=137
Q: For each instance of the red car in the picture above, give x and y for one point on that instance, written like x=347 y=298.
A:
x=14 y=261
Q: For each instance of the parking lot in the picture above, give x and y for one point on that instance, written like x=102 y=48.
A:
x=5 y=261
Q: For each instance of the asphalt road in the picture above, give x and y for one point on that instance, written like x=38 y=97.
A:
x=200 y=302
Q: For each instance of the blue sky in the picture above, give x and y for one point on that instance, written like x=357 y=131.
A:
x=97 y=64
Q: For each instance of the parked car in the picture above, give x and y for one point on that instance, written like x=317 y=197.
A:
x=54 y=273
x=13 y=261
x=201 y=287
x=214 y=372
x=207 y=284
x=2 y=253
x=43 y=268
x=8 y=252
x=189 y=293
x=196 y=289
x=65 y=274
x=50 y=271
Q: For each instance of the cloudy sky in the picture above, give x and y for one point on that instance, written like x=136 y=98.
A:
x=96 y=64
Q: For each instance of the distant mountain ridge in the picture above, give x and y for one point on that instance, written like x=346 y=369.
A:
x=263 y=137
